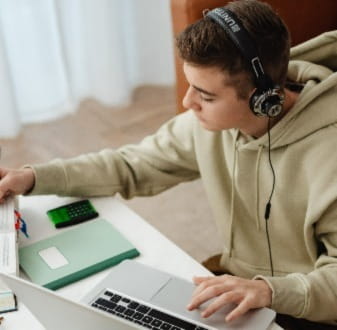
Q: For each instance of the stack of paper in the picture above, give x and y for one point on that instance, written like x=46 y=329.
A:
x=9 y=261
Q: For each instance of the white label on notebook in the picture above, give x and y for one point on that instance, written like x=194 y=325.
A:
x=53 y=257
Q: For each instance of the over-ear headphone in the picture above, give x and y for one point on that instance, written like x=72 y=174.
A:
x=267 y=100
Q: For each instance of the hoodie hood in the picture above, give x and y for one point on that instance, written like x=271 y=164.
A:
x=313 y=64
x=314 y=109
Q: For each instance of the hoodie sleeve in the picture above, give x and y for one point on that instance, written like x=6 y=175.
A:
x=159 y=162
x=312 y=296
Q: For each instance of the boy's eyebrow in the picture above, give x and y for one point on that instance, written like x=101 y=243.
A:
x=203 y=91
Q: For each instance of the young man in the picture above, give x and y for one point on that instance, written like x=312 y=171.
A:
x=288 y=262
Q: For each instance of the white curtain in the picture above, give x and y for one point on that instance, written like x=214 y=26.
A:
x=54 y=53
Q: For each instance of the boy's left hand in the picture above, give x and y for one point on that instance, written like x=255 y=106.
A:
x=246 y=294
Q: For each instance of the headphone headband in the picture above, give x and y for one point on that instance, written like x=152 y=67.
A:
x=268 y=99
x=240 y=36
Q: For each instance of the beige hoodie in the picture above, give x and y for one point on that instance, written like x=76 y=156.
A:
x=237 y=178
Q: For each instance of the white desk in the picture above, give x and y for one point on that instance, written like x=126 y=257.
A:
x=156 y=250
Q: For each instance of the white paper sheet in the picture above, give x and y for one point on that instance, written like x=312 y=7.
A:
x=8 y=239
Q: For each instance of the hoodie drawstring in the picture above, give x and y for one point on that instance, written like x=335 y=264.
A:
x=257 y=186
x=230 y=231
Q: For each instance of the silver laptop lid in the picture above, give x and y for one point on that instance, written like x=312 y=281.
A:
x=56 y=312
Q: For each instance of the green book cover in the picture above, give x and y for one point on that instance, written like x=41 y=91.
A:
x=74 y=254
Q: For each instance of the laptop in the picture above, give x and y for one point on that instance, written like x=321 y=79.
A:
x=131 y=296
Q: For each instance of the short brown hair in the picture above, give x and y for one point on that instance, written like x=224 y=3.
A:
x=205 y=43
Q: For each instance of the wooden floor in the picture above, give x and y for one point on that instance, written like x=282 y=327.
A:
x=181 y=213
x=92 y=127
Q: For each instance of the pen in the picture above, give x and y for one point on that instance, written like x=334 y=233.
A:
x=20 y=223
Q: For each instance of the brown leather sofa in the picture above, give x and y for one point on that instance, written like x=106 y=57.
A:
x=305 y=19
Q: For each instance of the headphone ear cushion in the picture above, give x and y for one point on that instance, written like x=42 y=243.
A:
x=266 y=104
x=253 y=102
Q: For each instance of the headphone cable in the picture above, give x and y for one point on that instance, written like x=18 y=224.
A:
x=268 y=205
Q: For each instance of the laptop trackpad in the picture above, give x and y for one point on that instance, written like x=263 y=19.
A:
x=177 y=294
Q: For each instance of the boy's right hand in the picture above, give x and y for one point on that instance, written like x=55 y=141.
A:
x=15 y=182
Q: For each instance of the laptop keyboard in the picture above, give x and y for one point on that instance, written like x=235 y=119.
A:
x=141 y=314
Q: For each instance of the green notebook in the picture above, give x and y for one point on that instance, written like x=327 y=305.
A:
x=74 y=254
